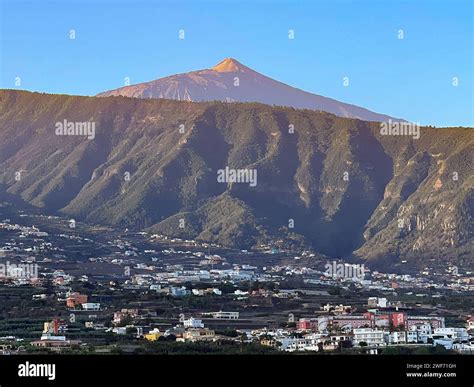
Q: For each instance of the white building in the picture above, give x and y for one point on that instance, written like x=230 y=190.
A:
x=223 y=315
x=458 y=335
x=373 y=337
x=193 y=323
x=91 y=306
x=382 y=302
x=49 y=336
x=292 y=344
x=398 y=337
x=377 y=302
x=412 y=336
x=120 y=330
x=419 y=334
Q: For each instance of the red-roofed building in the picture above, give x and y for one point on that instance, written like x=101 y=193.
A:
x=76 y=299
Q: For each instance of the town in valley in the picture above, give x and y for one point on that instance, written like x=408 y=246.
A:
x=69 y=287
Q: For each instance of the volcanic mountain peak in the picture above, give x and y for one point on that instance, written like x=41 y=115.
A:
x=229 y=65
x=219 y=83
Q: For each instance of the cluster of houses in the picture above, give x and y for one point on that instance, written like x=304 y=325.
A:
x=451 y=338
x=335 y=327
x=383 y=324
x=150 y=273
x=378 y=327
x=187 y=330
x=327 y=333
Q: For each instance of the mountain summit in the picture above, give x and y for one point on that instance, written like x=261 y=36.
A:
x=230 y=65
x=231 y=81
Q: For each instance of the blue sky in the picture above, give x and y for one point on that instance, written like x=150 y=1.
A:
x=410 y=77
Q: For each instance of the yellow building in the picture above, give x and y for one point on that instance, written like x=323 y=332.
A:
x=153 y=335
x=268 y=342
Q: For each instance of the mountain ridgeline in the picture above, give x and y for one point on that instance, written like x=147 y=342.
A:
x=333 y=183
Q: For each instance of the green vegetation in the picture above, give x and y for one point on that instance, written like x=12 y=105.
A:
x=300 y=175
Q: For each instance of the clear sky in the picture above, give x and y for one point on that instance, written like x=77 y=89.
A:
x=410 y=78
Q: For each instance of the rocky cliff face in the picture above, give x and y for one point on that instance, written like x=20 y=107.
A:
x=334 y=183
